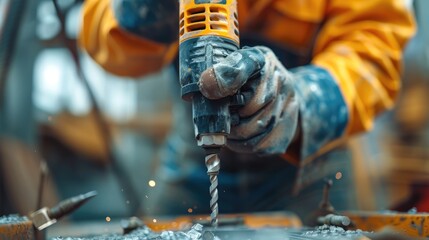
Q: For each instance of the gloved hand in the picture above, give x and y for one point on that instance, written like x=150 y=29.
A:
x=156 y=20
x=269 y=121
x=269 y=118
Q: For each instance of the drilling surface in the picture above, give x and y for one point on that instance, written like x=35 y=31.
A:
x=144 y=233
x=197 y=232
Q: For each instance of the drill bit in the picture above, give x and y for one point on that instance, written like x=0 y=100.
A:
x=213 y=166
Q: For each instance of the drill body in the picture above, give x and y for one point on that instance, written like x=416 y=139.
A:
x=208 y=31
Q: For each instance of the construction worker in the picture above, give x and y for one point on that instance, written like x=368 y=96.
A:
x=327 y=69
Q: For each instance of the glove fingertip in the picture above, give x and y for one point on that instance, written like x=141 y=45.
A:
x=209 y=85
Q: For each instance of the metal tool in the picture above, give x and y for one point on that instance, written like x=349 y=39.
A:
x=208 y=33
x=334 y=220
x=45 y=217
x=325 y=205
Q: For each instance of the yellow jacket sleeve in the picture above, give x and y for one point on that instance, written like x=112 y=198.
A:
x=117 y=50
x=361 y=45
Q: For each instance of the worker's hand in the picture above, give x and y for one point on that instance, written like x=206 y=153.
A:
x=269 y=118
x=152 y=19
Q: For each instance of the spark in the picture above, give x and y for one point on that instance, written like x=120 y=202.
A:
x=152 y=183
x=338 y=175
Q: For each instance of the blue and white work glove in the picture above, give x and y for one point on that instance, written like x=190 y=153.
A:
x=280 y=105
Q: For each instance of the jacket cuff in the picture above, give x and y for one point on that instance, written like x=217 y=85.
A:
x=323 y=110
x=153 y=20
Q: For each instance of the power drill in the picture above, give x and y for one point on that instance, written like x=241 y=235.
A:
x=208 y=31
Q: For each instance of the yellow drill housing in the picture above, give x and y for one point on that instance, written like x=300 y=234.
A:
x=208 y=18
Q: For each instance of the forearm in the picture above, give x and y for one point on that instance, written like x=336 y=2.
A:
x=116 y=49
x=323 y=114
x=355 y=73
x=362 y=49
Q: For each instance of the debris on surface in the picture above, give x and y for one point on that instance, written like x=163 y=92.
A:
x=412 y=210
x=143 y=233
x=14 y=218
x=333 y=232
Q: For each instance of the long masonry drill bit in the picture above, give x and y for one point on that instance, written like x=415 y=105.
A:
x=213 y=167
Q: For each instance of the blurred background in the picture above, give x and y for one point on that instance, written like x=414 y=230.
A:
x=106 y=132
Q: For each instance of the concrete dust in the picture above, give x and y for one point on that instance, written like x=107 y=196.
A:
x=10 y=219
x=143 y=233
x=333 y=232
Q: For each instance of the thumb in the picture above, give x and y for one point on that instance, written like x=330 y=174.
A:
x=227 y=76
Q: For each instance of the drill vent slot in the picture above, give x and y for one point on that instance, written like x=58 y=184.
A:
x=216 y=26
x=182 y=24
x=236 y=32
x=196 y=27
x=203 y=18
x=236 y=23
x=215 y=9
x=218 y=17
x=196 y=19
x=196 y=10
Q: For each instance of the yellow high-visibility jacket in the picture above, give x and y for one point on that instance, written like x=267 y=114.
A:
x=359 y=42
